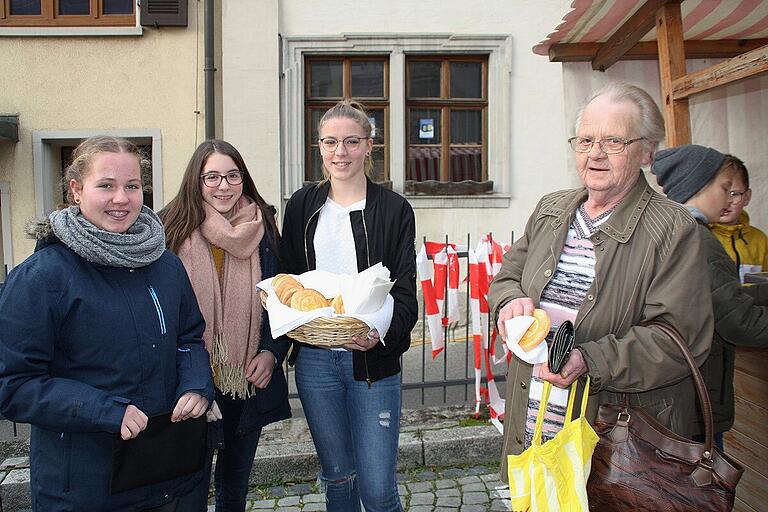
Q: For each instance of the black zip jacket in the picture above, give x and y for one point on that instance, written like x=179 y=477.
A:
x=384 y=232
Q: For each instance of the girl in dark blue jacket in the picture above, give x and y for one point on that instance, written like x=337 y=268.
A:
x=225 y=234
x=100 y=330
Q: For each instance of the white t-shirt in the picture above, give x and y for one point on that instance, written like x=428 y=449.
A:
x=334 y=243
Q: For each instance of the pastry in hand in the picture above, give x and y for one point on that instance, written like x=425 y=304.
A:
x=308 y=299
x=537 y=331
x=338 y=305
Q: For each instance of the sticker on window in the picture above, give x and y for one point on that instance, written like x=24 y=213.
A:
x=426 y=128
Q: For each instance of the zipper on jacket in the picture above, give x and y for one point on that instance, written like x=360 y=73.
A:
x=367 y=247
x=738 y=256
x=158 y=308
x=367 y=375
x=306 y=228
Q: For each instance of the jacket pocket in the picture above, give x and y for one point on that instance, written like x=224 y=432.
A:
x=158 y=309
x=66 y=463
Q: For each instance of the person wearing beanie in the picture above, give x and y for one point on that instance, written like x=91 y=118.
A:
x=702 y=178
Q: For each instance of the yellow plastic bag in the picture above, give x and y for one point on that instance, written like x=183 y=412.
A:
x=552 y=477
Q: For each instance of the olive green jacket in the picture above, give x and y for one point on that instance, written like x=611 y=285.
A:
x=649 y=265
x=740 y=319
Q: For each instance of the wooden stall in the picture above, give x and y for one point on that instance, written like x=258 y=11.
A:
x=604 y=32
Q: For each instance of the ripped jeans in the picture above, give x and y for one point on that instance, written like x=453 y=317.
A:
x=355 y=430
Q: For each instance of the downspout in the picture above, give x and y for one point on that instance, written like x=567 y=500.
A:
x=210 y=72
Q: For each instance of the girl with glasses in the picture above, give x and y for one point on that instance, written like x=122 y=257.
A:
x=226 y=236
x=351 y=396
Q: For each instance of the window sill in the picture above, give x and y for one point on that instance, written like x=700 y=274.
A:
x=69 y=31
x=475 y=201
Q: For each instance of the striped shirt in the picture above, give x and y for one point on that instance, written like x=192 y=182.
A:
x=561 y=299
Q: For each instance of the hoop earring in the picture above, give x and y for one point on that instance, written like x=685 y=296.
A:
x=368 y=154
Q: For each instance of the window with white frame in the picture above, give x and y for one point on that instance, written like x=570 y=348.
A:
x=460 y=82
x=52 y=151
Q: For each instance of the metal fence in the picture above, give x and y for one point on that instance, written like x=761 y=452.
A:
x=449 y=378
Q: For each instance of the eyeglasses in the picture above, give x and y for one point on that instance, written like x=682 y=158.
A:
x=609 y=146
x=736 y=196
x=213 y=179
x=351 y=143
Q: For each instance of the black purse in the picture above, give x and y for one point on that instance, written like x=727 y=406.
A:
x=163 y=451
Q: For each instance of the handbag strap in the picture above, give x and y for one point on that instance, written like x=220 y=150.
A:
x=698 y=380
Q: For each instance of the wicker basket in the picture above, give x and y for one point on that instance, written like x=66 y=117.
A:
x=326 y=332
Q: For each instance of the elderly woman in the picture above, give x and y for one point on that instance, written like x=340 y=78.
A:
x=608 y=256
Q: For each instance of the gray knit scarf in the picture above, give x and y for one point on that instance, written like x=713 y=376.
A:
x=142 y=244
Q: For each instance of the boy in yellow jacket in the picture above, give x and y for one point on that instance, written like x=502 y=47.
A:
x=745 y=244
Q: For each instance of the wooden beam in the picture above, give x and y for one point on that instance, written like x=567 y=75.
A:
x=738 y=68
x=669 y=29
x=629 y=34
x=649 y=50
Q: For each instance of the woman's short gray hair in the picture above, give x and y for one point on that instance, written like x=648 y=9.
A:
x=650 y=123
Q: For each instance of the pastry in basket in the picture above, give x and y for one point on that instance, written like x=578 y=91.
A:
x=284 y=287
x=338 y=305
x=286 y=291
x=282 y=280
x=537 y=331
x=308 y=299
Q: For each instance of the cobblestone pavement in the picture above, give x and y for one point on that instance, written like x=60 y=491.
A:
x=475 y=489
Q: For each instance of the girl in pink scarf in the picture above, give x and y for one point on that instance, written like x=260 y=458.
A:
x=226 y=236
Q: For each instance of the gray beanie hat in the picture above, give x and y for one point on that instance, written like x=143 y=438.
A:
x=684 y=170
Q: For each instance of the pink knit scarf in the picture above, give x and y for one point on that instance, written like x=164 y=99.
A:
x=231 y=307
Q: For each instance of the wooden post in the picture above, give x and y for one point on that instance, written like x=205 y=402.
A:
x=669 y=30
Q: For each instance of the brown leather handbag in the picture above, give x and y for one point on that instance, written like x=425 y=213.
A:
x=640 y=465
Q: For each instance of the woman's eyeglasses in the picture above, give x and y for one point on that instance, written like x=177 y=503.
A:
x=609 y=146
x=351 y=143
x=213 y=179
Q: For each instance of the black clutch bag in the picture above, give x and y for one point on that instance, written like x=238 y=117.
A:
x=562 y=344
x=163 y=451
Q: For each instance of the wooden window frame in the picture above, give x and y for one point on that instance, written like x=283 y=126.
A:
x=445 y=104
x=49 y=18
x=370 y=103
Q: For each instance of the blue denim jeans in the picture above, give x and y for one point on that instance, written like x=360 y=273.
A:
x=233 y=463
x=355 y=429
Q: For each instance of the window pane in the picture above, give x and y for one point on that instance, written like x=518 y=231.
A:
x=118 y=6
x=25 y=7
x=423 y=163
x=466 y=127
x=367 y=79
x=314 y=118
x=378 y=173
x=466 y=164
x=425 y=79
x=466 y=80
x=424 y=126
x=327 y=79
x=378 y=125
x=314 y=171
x=73 y=7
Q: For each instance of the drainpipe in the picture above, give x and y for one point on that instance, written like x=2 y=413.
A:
x=210 y=72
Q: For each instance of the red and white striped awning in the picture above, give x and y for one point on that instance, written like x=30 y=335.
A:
x=594 y=21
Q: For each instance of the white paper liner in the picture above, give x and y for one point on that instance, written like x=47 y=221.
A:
x=516 y=328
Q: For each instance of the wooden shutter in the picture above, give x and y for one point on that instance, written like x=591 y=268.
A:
x=164 y=13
